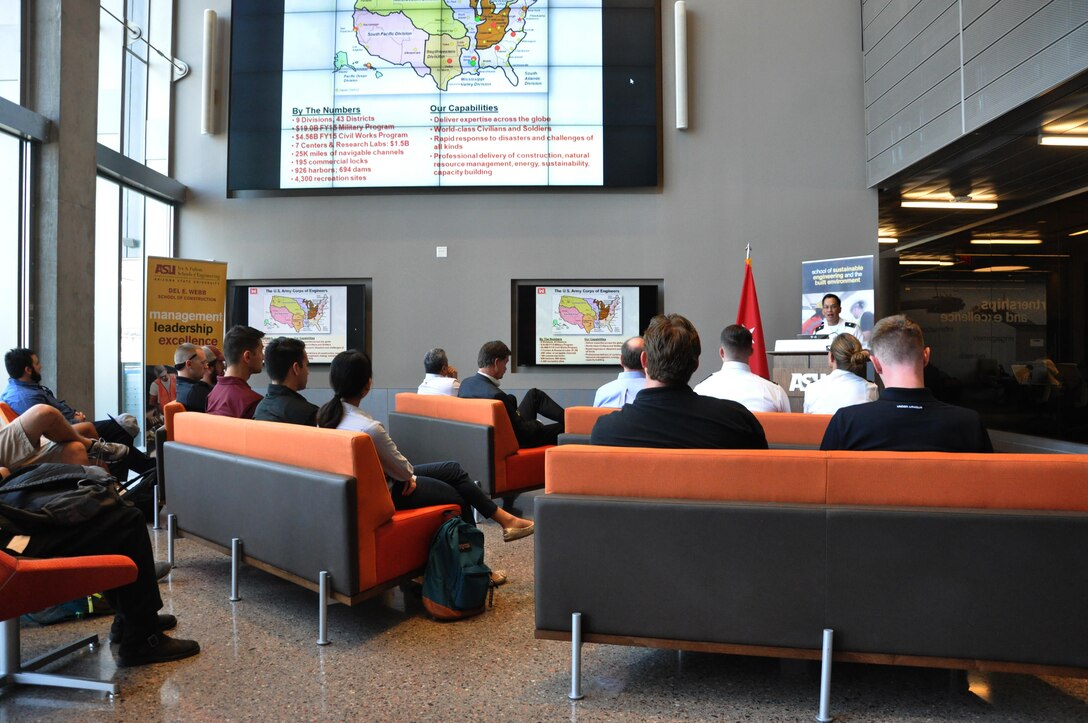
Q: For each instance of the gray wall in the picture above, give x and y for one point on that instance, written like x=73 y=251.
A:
x=938 y=69
x=775 y=157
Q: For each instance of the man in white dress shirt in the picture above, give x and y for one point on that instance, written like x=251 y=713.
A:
x=833 y=324
x=439 y=377
x=631 y=380
x=737 y=382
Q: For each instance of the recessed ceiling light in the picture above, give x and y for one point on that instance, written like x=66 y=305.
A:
x=924 y=262
x=1063 y=140
x=1007 y=241
x=998 y=269
x=888 y=240
x=951 y=205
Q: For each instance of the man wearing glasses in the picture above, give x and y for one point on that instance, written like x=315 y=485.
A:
x=191 y=364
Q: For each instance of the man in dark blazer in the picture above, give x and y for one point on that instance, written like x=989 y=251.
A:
x=492 y=360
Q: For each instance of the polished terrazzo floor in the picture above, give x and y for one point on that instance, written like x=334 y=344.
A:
x=388 y=661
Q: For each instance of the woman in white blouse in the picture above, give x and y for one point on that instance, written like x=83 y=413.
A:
x=437 y=483
x=846 y=384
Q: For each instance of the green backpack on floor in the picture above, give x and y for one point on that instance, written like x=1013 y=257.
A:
x=456 y=581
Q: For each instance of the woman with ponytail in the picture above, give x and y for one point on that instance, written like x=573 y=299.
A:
x=846 y=384
x=438 y=483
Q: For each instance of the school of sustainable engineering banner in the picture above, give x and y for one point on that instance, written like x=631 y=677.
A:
x=186 y=300
x=850 y=278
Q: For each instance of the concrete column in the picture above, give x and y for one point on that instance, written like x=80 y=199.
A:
x=62 y=85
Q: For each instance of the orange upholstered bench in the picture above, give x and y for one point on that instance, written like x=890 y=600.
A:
x=310 y=505
x=475 y=432
x=788 y=430
x=911 y=558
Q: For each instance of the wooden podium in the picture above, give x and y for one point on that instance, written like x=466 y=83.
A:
x=795 y=363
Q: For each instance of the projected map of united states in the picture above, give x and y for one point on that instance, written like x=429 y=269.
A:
x=442 y=39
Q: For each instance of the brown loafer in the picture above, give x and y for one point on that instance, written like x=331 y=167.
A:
x=509 y=534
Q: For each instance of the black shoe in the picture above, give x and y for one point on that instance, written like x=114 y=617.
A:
x=162 y=569
x=156 y=648
x=117 y=630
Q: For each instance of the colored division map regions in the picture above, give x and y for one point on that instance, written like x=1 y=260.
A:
x=439 y=39
x=588 y=315
x=297 y=315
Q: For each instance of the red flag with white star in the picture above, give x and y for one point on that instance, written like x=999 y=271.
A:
x=748 y=317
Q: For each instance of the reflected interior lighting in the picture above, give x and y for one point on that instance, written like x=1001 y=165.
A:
x=1007 y=241
x=1079 y=233
x=998 y=269
x=887 y=240
x=919 y=262
x=951 y=205
x=1063 y=140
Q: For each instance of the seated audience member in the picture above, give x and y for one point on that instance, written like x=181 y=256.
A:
x=629 y=383
x=906 y=417
x=214 y=371
x=244 y=354
x=493 y=359
x=736 y=381
x=439 y=377
x=137 y=626
x=411 y=487
x=833 y=324
x=846 y=384
x=191 y=365
x=25 y=390
x=667 y=413
x=289 y=369
x=42 y=434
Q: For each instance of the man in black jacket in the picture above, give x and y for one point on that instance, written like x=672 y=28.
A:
x=492 y=360
x=667 y=413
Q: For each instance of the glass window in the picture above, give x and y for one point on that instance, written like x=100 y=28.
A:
x=11 y=149
x=10 y=49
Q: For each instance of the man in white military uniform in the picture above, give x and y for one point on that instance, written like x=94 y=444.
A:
x=833 y=324
x=737 y=382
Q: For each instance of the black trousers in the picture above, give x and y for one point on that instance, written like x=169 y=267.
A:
x=119 y=531
x=444 y=483
x=530 y=431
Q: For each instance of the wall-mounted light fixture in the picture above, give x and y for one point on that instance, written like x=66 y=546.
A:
x=681 y=62
x=208 y=96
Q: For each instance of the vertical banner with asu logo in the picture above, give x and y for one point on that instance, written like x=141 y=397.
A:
x=185 y=304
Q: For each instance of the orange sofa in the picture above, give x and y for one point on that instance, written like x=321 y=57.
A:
x=789 y=430
x=475 y=432
x=940 y=560
x=303 y=501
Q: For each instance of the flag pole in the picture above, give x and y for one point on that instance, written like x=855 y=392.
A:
x=748 y=252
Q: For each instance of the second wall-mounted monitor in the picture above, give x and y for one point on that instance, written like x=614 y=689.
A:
x=329 y=316
x=377 y=94
x=580 y=322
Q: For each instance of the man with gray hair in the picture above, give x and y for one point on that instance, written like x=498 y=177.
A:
x=439 y=377
x=906 y=417
x=629 y=383
x=191 y=364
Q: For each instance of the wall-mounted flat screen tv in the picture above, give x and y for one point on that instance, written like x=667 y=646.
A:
x=580 y=322
x=330 y=317
x=335 y=95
